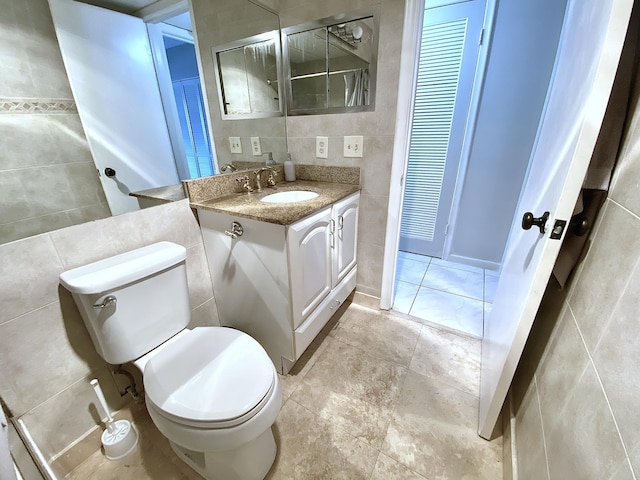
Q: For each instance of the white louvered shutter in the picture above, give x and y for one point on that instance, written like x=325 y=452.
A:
x=439 y=68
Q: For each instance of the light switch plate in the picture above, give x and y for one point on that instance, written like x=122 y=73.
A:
x=353 y=146
x=322 y=147
x=234 y=145
x=255 y=146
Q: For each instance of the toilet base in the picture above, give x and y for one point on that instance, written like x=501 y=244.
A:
x=250 y=461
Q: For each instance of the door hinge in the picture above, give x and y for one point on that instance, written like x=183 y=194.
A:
x=446 y=229
x=402 y=181
x=481 y=41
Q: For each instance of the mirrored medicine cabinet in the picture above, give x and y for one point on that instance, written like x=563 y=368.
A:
x=325 y=66
x=248 y=77
x=330 y=64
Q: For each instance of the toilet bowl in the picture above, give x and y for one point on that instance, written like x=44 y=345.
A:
x=213 y=392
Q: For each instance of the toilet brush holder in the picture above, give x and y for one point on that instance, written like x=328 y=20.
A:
x=120 y=438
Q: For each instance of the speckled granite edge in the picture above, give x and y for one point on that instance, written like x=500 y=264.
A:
x=205 y=188
x=319 y=173
x=170 y=193
x=249 y=205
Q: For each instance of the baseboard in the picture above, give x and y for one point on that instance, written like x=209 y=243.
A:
x=365 y=300
x=509 y=451
x=474 y=262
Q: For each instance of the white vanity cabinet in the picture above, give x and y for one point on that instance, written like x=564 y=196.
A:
x=281 y=284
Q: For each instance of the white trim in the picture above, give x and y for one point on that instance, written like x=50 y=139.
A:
x=162 y=9
x=474 y=262
x=413 y=19
x=413 y=16
x=156 y=31
x=203 y=85
x=472 y=119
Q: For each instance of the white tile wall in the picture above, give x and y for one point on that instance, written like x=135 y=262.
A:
x=587 y=422
x=46 y=355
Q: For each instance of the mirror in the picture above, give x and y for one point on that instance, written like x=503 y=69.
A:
x=248 y=73
x=48 y=175
x=330 y=65
x=239 y=45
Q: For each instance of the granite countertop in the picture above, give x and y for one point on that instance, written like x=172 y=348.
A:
x=170 y=193
x=248 y=205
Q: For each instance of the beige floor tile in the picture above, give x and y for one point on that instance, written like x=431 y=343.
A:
x=353 y=412
x=378 y=333
x=353 y=390
x=433 y=432
x=450 y=358
x=308 y=359
x=388 y=469
x=311 y=447
x=152 y=459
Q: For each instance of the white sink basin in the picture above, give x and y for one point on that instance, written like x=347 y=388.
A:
x=290 y=196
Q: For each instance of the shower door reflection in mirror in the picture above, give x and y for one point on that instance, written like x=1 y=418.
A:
x=331 y=67
x=247 y=71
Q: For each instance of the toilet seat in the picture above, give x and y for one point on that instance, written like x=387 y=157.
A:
x=210 y=377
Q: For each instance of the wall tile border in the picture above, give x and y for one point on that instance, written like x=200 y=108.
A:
x=42 y=106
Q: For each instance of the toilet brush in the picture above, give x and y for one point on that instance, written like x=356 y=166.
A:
x=120 y=438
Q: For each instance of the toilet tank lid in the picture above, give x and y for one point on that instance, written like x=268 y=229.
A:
x=119 y=270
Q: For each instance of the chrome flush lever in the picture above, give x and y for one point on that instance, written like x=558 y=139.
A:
x=108 y=301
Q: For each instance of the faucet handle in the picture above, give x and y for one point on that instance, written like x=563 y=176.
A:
x=245 y=183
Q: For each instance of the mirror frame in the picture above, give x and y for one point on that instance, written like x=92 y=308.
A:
x=374 y=12
x=244 y=42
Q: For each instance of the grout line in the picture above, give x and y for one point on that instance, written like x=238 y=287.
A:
x=446 y=265
x=623 y=207
x=604 y=391
x=451 y=293
x=22 y=315
x=544 y=437
x=55 y=249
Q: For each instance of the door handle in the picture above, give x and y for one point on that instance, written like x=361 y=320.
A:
x=528 y=221
x=109 y=172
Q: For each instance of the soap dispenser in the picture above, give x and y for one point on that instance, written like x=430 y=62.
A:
x=270 y=159
x=289 y=169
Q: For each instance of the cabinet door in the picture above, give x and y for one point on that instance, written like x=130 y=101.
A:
x=345 y=215
x=309 y=245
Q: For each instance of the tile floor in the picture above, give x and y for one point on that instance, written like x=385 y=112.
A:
x=444 y=293
x=374 y=397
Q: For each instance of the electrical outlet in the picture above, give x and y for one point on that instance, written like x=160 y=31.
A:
x=234 y=145
x=353 y=146
x=255 y=146
x=322 y=147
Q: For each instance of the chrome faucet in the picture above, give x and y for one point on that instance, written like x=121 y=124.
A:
x=271 y=180
x=228 y=167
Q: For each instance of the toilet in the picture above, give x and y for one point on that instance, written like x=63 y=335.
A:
x=213 y=392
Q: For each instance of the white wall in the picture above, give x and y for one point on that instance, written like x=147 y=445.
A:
x=522 y=53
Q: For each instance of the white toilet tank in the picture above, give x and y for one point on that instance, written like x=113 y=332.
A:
x=132 y=302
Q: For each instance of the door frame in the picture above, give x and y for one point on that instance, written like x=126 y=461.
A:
x=412 y=33
x=156 y=33
x=154 y=15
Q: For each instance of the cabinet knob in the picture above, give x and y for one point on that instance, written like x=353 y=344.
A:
x=236 y=230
